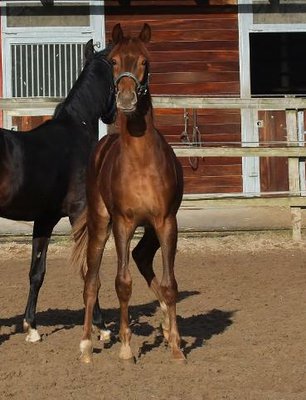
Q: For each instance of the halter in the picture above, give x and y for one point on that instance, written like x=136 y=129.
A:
x=141 y=88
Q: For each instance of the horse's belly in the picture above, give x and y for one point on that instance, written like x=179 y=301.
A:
x=30 y=205
x=140 y=211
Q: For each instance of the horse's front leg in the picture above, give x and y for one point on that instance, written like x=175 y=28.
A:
x=167 y=234
x=41 y=235
x=98 y=233
x=123 y=231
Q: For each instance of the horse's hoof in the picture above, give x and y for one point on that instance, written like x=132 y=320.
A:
x=86 y=351
x=178 y=356
x=105 y=335
x=32 y=334
x=128 y=361
x=86 y=358
x=126 y=354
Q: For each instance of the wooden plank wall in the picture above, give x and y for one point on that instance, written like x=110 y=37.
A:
x=273 y=170
x=194 y=51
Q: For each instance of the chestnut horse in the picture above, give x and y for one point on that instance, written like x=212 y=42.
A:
x=134 y=179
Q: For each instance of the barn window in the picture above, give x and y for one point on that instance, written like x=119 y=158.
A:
x=43 y=46
x=278 y=63
x=45 y=69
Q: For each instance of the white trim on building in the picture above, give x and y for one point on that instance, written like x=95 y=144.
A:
x=249 y=118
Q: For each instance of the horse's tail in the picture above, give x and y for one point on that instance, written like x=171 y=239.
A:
x=79 y=251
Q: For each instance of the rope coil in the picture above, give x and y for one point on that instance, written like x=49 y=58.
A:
x=193 y=140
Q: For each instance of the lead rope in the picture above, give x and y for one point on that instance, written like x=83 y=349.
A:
x=195 y=137
x=184 y=135
x=196 y=140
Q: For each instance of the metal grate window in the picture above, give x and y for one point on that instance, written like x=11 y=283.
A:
x=46 y=70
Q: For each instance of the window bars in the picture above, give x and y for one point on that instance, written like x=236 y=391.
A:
x=45 y=70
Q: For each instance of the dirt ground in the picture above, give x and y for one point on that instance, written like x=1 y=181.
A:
x=241 y=314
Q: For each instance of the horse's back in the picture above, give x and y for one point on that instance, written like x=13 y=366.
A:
x=37 y=168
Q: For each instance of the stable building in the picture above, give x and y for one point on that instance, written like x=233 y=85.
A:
x=212 y=49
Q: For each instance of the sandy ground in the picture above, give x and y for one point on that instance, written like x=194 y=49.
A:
x=241 y=314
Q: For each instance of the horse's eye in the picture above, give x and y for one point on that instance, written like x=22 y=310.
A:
x=144 y=62
x=113 y=61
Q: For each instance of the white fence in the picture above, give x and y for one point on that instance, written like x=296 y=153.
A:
x=293 y=149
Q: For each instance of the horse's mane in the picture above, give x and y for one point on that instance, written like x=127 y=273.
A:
x=85 y=97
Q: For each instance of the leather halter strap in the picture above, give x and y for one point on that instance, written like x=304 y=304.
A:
x=141 y=88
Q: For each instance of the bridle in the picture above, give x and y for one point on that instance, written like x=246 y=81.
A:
x=141 y=87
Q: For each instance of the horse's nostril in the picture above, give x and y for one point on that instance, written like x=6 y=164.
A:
x=134 y=99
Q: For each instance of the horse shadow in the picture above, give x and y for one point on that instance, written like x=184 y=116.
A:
x=199 y=328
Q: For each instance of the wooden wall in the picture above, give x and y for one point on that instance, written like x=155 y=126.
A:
x=194 y=51
x=273 y=170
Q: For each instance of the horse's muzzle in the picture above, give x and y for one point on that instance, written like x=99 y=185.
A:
x=126 y=101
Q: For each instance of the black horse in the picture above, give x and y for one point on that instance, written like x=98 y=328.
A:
x=43 y=171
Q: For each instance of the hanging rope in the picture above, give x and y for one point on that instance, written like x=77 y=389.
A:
x=184 y=135
x=195 y=139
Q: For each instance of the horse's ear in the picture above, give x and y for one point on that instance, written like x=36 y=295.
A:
x=89 y=50
x=117 y=34
x=145 y=34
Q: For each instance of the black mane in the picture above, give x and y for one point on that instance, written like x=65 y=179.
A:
x=90 y=93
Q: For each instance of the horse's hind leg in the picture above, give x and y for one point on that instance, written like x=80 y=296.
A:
x=98 y=233
x=143 y=255
x=98 y=319
x=41 y=235
x=167 y=234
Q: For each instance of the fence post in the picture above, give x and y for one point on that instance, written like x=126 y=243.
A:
x=294 y=174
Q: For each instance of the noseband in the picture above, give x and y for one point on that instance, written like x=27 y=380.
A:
x=141 y=88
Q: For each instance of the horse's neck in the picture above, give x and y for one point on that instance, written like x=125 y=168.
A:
x=81 y=114
x=140 y=124
x=82 y=105
x=139 y=136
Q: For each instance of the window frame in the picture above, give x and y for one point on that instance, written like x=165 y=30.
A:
x=56 y=30
x=52 y=34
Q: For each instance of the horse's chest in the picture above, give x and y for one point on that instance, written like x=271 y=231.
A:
x=139 y=194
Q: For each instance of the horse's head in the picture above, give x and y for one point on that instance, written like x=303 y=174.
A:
x=129 y=57
x=108 y=113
